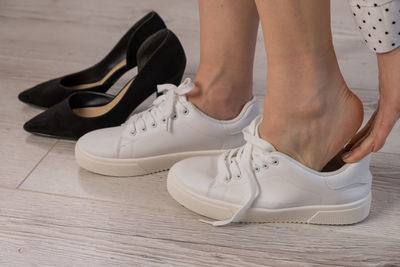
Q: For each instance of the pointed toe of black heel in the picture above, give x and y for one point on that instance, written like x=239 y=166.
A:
x=50 y=123
x=25 y=96
x=42 y=125
x=62 y=120
x=32 y=97
x=44 y=95
x=39 y=125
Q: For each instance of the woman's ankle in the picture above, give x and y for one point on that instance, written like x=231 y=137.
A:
x=218 y=105
x=221 y=94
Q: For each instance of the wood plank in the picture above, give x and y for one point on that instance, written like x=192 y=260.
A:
x=60 y=168
x=54 y=230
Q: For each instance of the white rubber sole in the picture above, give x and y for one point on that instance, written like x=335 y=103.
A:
x=343 y=214
x=133 y=167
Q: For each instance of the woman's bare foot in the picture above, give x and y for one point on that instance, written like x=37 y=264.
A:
x=315 y=119
x=309 y=112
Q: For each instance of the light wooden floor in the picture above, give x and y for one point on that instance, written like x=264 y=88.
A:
x=54 y=214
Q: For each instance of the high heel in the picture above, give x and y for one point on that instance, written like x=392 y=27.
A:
x=101 y=76
x=160 y=59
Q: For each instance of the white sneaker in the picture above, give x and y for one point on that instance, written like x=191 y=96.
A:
x=255 y=183
x=170 y=130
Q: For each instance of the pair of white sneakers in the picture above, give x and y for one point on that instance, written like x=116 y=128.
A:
x=223 y=169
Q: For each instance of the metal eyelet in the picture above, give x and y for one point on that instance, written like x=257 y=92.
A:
x=164 y=120
x=186 y=111
x=265 y=166
x=257 y=169
x=154 y=125
x=275 y=162
x=238 y=176
x=227 y=179
x=174 y=117
x=144 y=129
x=133 y=132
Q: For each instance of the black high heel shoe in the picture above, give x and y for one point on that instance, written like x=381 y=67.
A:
x=101 y=76
x=160 y=59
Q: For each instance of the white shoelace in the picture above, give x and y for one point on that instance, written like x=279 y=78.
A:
x=244 y=162
x=163 y=108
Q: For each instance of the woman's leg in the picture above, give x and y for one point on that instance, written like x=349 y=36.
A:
x=228 y=32
x=309 y=113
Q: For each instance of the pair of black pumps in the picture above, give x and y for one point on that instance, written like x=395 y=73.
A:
x=78 y=103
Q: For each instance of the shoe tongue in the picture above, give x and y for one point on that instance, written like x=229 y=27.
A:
x=183 y=98
x=184 y=88
x=260 y=143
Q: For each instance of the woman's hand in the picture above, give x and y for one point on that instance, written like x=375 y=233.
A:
x=373 y=136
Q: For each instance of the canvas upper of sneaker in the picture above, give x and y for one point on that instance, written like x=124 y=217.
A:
x=172 y=124
x=256 y=175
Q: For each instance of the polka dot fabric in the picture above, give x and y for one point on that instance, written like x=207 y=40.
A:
x=379 y=23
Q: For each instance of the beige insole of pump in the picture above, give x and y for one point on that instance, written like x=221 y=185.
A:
x=91 y=112
x=105 y=78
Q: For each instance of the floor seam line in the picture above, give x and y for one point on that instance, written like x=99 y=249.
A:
x=36 y=165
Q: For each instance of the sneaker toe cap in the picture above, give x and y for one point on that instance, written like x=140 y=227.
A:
x=195 y=174
x=101 y=143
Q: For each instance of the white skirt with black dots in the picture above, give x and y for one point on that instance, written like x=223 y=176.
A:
x=379 y=23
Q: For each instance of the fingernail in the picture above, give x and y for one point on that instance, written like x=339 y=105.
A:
x=346 y=155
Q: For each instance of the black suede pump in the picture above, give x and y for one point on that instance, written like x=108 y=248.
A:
x=160 y=59
x=101 y=76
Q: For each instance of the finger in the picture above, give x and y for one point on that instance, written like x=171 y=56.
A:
x=366 y=133
x=361 y=135
x=384 y=126
x=364 y=145
x=375 y=140
x=359 y=152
